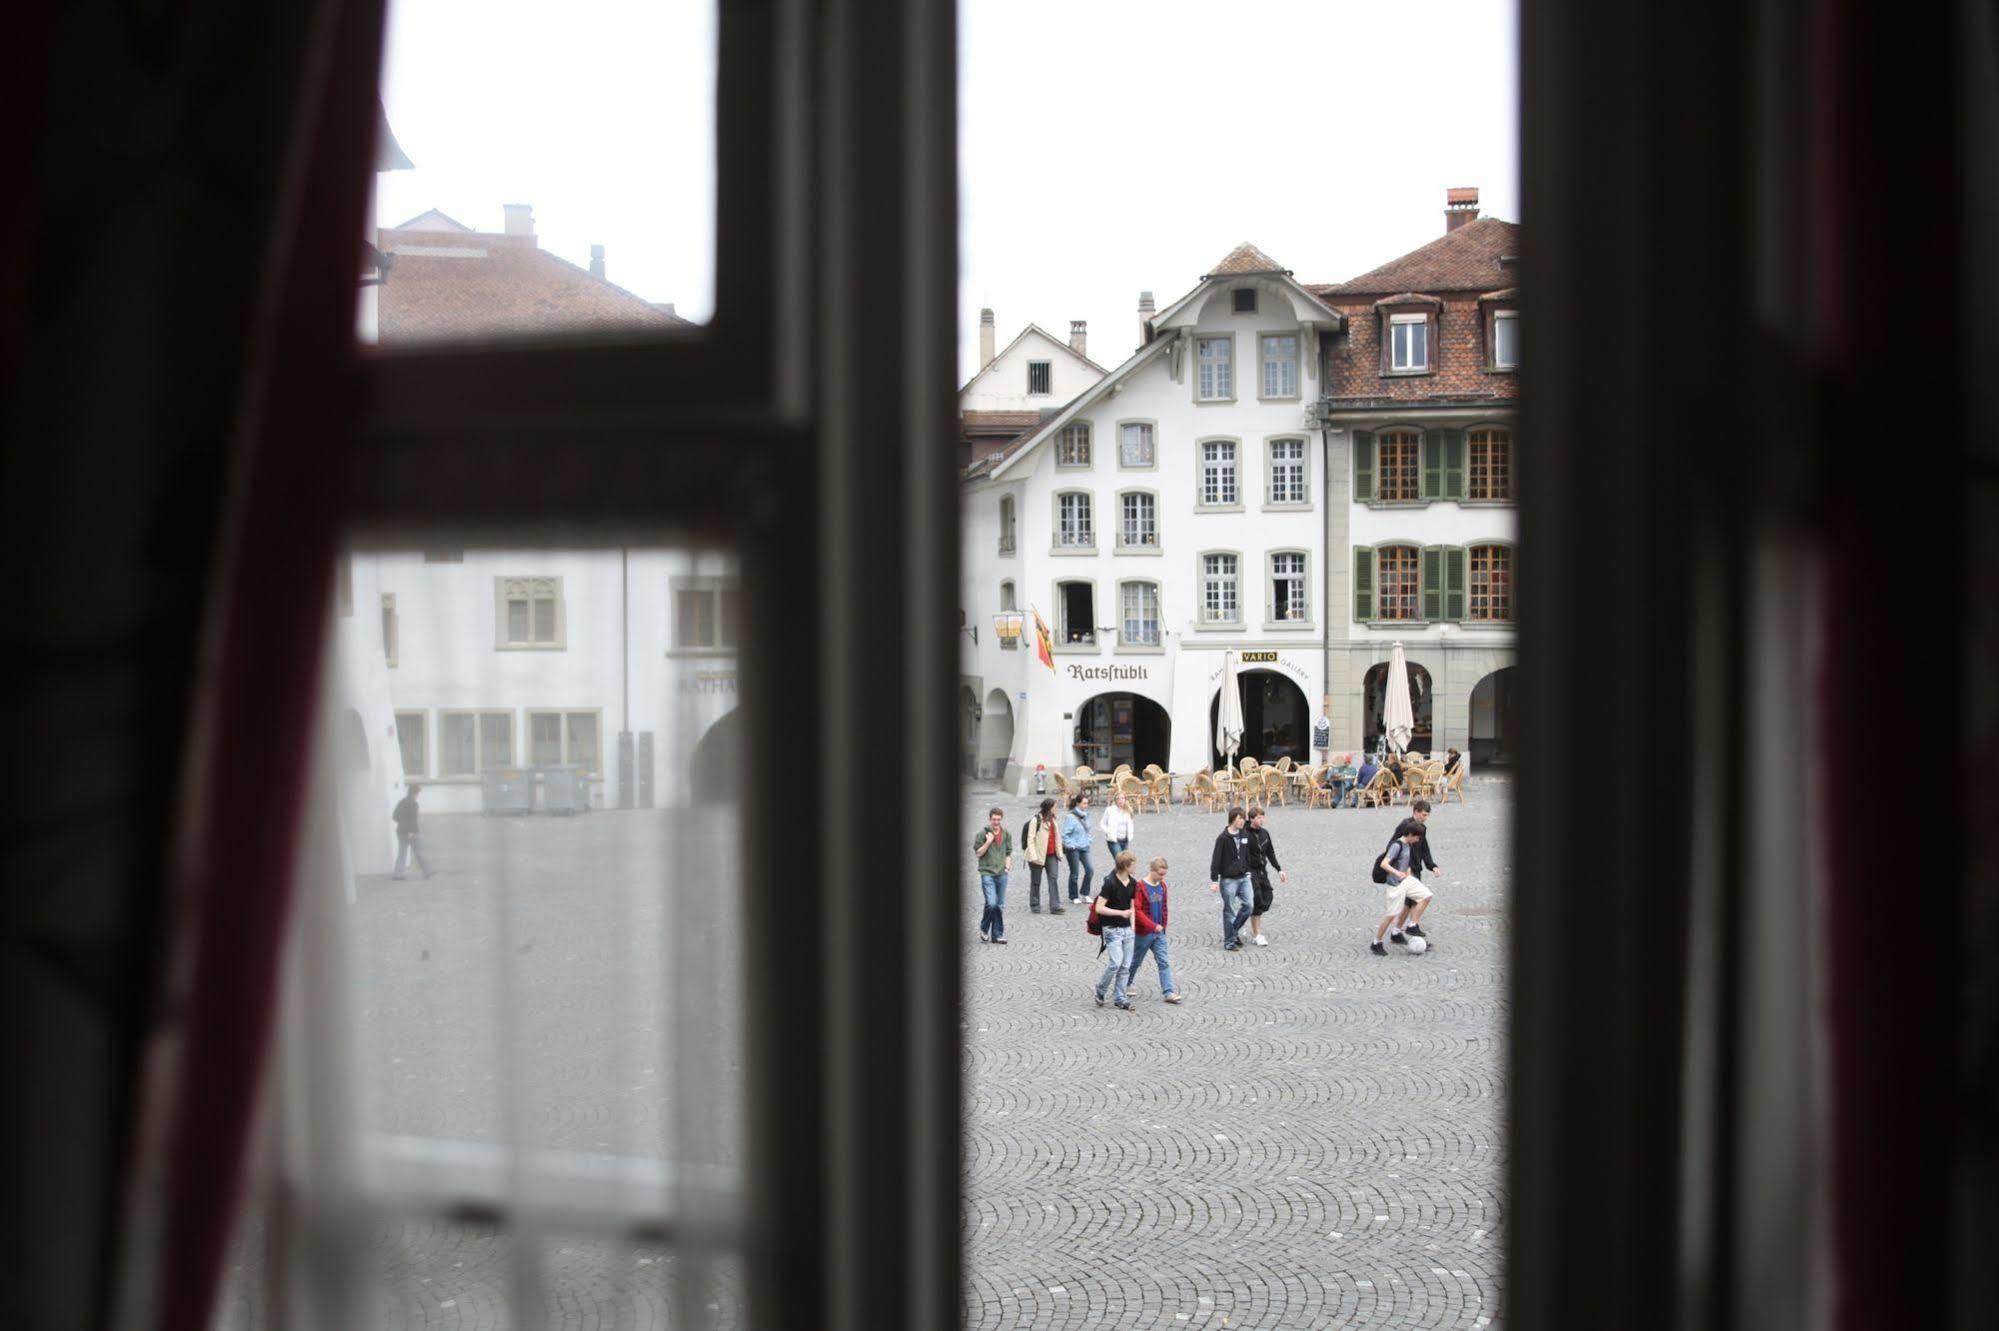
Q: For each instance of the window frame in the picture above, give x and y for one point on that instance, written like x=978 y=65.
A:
x=422 y=715
x=1047 y=368
x=1263 y=363
x=1271 y=623
x=717 y=584
x=1152 y=426
x=1415 y=617
x=479 y=764
x=1157 y=543
x=1201 y=504
x=562 y=715
x=1471 y=549
x=1202 y=623
x=1235 y=300
x=1158 y=643
x=1227 y=367
x=1415 y=471
x=1057 y=546
x=1061 y=645
x=392 y=631
x=1510 y=315
x=1271 y=503
x=1426 y=320
x=501 y=597
x=1509 y=499
x=1064 y=441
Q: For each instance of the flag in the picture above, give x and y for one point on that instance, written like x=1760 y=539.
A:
x=1044 y=642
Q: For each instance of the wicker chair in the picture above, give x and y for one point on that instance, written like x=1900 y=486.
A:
x=1201 y=790
x=1160 y=788
x=1064 y=786
x=1376 y=792
x=1454 y=784
x=1276 y=786
x=1317 y=790
x=1136 y=793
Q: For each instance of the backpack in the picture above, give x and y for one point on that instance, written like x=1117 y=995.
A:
x=1022 y=843
x=1379 y=874
x=1092 y=924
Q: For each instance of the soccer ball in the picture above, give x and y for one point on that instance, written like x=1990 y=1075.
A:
x=1418 y=945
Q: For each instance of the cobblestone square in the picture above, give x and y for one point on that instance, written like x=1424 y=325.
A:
x=1312 y=1139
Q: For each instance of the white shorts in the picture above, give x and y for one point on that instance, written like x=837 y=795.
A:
x=1410 y=889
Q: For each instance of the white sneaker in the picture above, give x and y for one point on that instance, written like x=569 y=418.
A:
x=1261 y=941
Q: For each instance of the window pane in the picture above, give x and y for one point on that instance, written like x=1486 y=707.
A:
x=1504 y=348
x=496 y=739
x=578 y=196
x=582 y=727
x=410 y=736
x=544 y=737
x=517 y=621
x=457 y=739
x=544 y=619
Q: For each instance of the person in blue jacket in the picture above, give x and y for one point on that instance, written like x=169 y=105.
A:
x=1076 y=849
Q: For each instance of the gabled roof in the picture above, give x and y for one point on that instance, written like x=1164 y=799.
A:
x=1006 y=461
x=449 y=282
x=1410 y=298
x=1030 y=328
x=1245 y=259
x=992 y=423
x=1466 y=259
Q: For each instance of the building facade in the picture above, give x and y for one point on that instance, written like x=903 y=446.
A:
x=1019 y=387
x=1419 y=407
x=1172 y=512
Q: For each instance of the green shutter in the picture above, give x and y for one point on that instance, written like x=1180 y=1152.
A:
x=1433 y=582
x=1363 y=581
x=1363 y=466
x=1454 y=464
x=1433 y=464
x=1454 y=582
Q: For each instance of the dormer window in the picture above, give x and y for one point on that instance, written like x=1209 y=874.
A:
x=1408 y=343
x=1245 y=300
x=1039 y=378
x=1505 y=339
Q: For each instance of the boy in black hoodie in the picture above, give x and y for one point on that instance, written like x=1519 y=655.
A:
x=1262 y=859
x=1229 y=870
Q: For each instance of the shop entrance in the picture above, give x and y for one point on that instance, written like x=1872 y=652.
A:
x=1492 y=718
x=1114 y=728
x=1375 y=686
x=1276 y=722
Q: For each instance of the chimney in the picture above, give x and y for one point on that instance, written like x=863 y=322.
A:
x=1079 y=337
x=1146 y=310
x=1460 y=206
x=520 y=219
x=986 y=338
x=597 y=262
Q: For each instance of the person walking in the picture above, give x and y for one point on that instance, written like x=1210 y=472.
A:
x=1228 y=874
x=409 y=846
x=1076 y=849
x=1404 y=889
x=1117 y=825
x=1041 y=847
x=1149 y=929
x=1114 y=913
x=1262 y=859
x=994 y=846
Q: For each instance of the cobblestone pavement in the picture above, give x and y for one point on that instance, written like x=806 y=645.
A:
x=1313 y=1139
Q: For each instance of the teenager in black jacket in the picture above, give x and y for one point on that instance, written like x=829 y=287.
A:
x=1262 y=859
x=1229 y=869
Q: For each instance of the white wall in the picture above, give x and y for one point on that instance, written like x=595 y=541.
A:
x=1002 y=386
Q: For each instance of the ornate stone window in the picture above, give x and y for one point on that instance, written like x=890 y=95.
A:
x=530 y=614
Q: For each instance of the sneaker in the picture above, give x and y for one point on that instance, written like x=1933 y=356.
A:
x=1172 y=998
x=1122 y=1007
x=983 y=937
x=1100 y=1000
x=1398 y=939
x=1376 y=948
x=999 y=940
x=1261 y=941
x=1034 y=910
x=1057 y=910
x=1233 y=945
x=1415 y=931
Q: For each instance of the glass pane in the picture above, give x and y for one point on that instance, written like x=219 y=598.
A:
x=544 y=737
x=517 y=621
x=496 y=739
x=583 y=739
x=544 y=620
x=543 y=177
x=457 y=738
x=410 y=734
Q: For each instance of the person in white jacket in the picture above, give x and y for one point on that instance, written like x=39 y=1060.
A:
x=1117 y=825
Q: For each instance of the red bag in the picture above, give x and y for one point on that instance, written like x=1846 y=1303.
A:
x=1093 y=924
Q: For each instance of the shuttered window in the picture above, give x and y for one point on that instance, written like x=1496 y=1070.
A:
x=1398 y=460
x=1489 y=473
x=1363 y=466
x=1491 y=583
x=1398 y=582
x=1363 y=583
x=1444 y=464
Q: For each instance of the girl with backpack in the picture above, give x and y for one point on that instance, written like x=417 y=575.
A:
x=1040 y=844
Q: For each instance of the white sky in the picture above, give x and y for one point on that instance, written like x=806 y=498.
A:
x=1107 y=146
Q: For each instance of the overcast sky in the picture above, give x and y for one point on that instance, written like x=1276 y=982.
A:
x=1108 y=146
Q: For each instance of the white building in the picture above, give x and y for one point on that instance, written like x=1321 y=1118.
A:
x=1017 y=389
x=1172 y=511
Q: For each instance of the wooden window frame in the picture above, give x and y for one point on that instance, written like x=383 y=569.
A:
x=1400 y=437
x=1074 y=448
x=1201 y=501
x=1484 y=436
x=1415 y=593
x=1157 y=643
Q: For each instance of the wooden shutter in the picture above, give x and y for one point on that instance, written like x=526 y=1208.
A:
x=1454 y=463
x=1363 y=581
x=1433 y=463
x=1433 y=582
x=1363 y=466
x=1454 y=581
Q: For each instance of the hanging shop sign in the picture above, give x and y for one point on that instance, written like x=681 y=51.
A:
x=1248 y=658
x=1007 y=627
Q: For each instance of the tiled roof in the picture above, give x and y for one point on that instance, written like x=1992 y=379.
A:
x=1246 y=258
x=1507 y=293
x=998 y=422
x=1410 y=298
x=447 y=285
x=1466 y=259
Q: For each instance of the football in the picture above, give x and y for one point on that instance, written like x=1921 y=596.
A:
x=1418 y=946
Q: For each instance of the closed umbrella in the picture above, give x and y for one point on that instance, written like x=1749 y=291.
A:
x=1228 y=716
x=1398 y=717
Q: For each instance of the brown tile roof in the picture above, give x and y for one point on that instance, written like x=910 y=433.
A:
x=998 y=422
x=448 y=284
x=1410 y=298
x=1246 y=258
x=1466 y=259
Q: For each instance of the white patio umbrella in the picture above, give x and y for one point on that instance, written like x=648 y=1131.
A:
x=1398 y=717
x=1228 y=716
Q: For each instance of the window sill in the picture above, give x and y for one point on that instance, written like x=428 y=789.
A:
x=1206 y=626
x=1286 y=397
x=1502 y=369
x=1288 y=508
x=1140 y=649
x=1075 y=649
x=1072 y=551
x=1075 y=466
x=1218 y=508
x=529 y=647
x=1398 y=503
x=1214 y=401
x=1486 y=625
x=1489 y=503
x=1138 y=550
x=1289 y=626
x=701 y=653
x=1400 y=625
x=1405 y=374
x=1139 y=466
x=1007 y=552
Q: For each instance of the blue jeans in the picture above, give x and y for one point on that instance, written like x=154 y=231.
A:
x=1117 y=964
x=1117 y=848
x=408 y=847
x=1237 y=898
x=994 y=886
x=1342 y=790
x=1079 y=866
x=1155 y=946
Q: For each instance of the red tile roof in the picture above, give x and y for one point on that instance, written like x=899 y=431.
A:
x=1246 y=258
x=1466 y=259
x=998 y=422
x=448 y=284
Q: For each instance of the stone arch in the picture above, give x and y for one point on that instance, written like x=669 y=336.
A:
x=995 y=736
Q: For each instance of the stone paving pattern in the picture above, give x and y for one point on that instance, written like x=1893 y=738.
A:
x=1312 y=1139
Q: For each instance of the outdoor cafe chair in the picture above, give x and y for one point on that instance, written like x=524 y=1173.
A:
x=1375 y=792
x=1454 y=784
x=1161 y=787
x=1317 y=789
x=1276 y=786
x=1067 y=791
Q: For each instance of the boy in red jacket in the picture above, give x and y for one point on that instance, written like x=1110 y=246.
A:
x=1149 y=927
